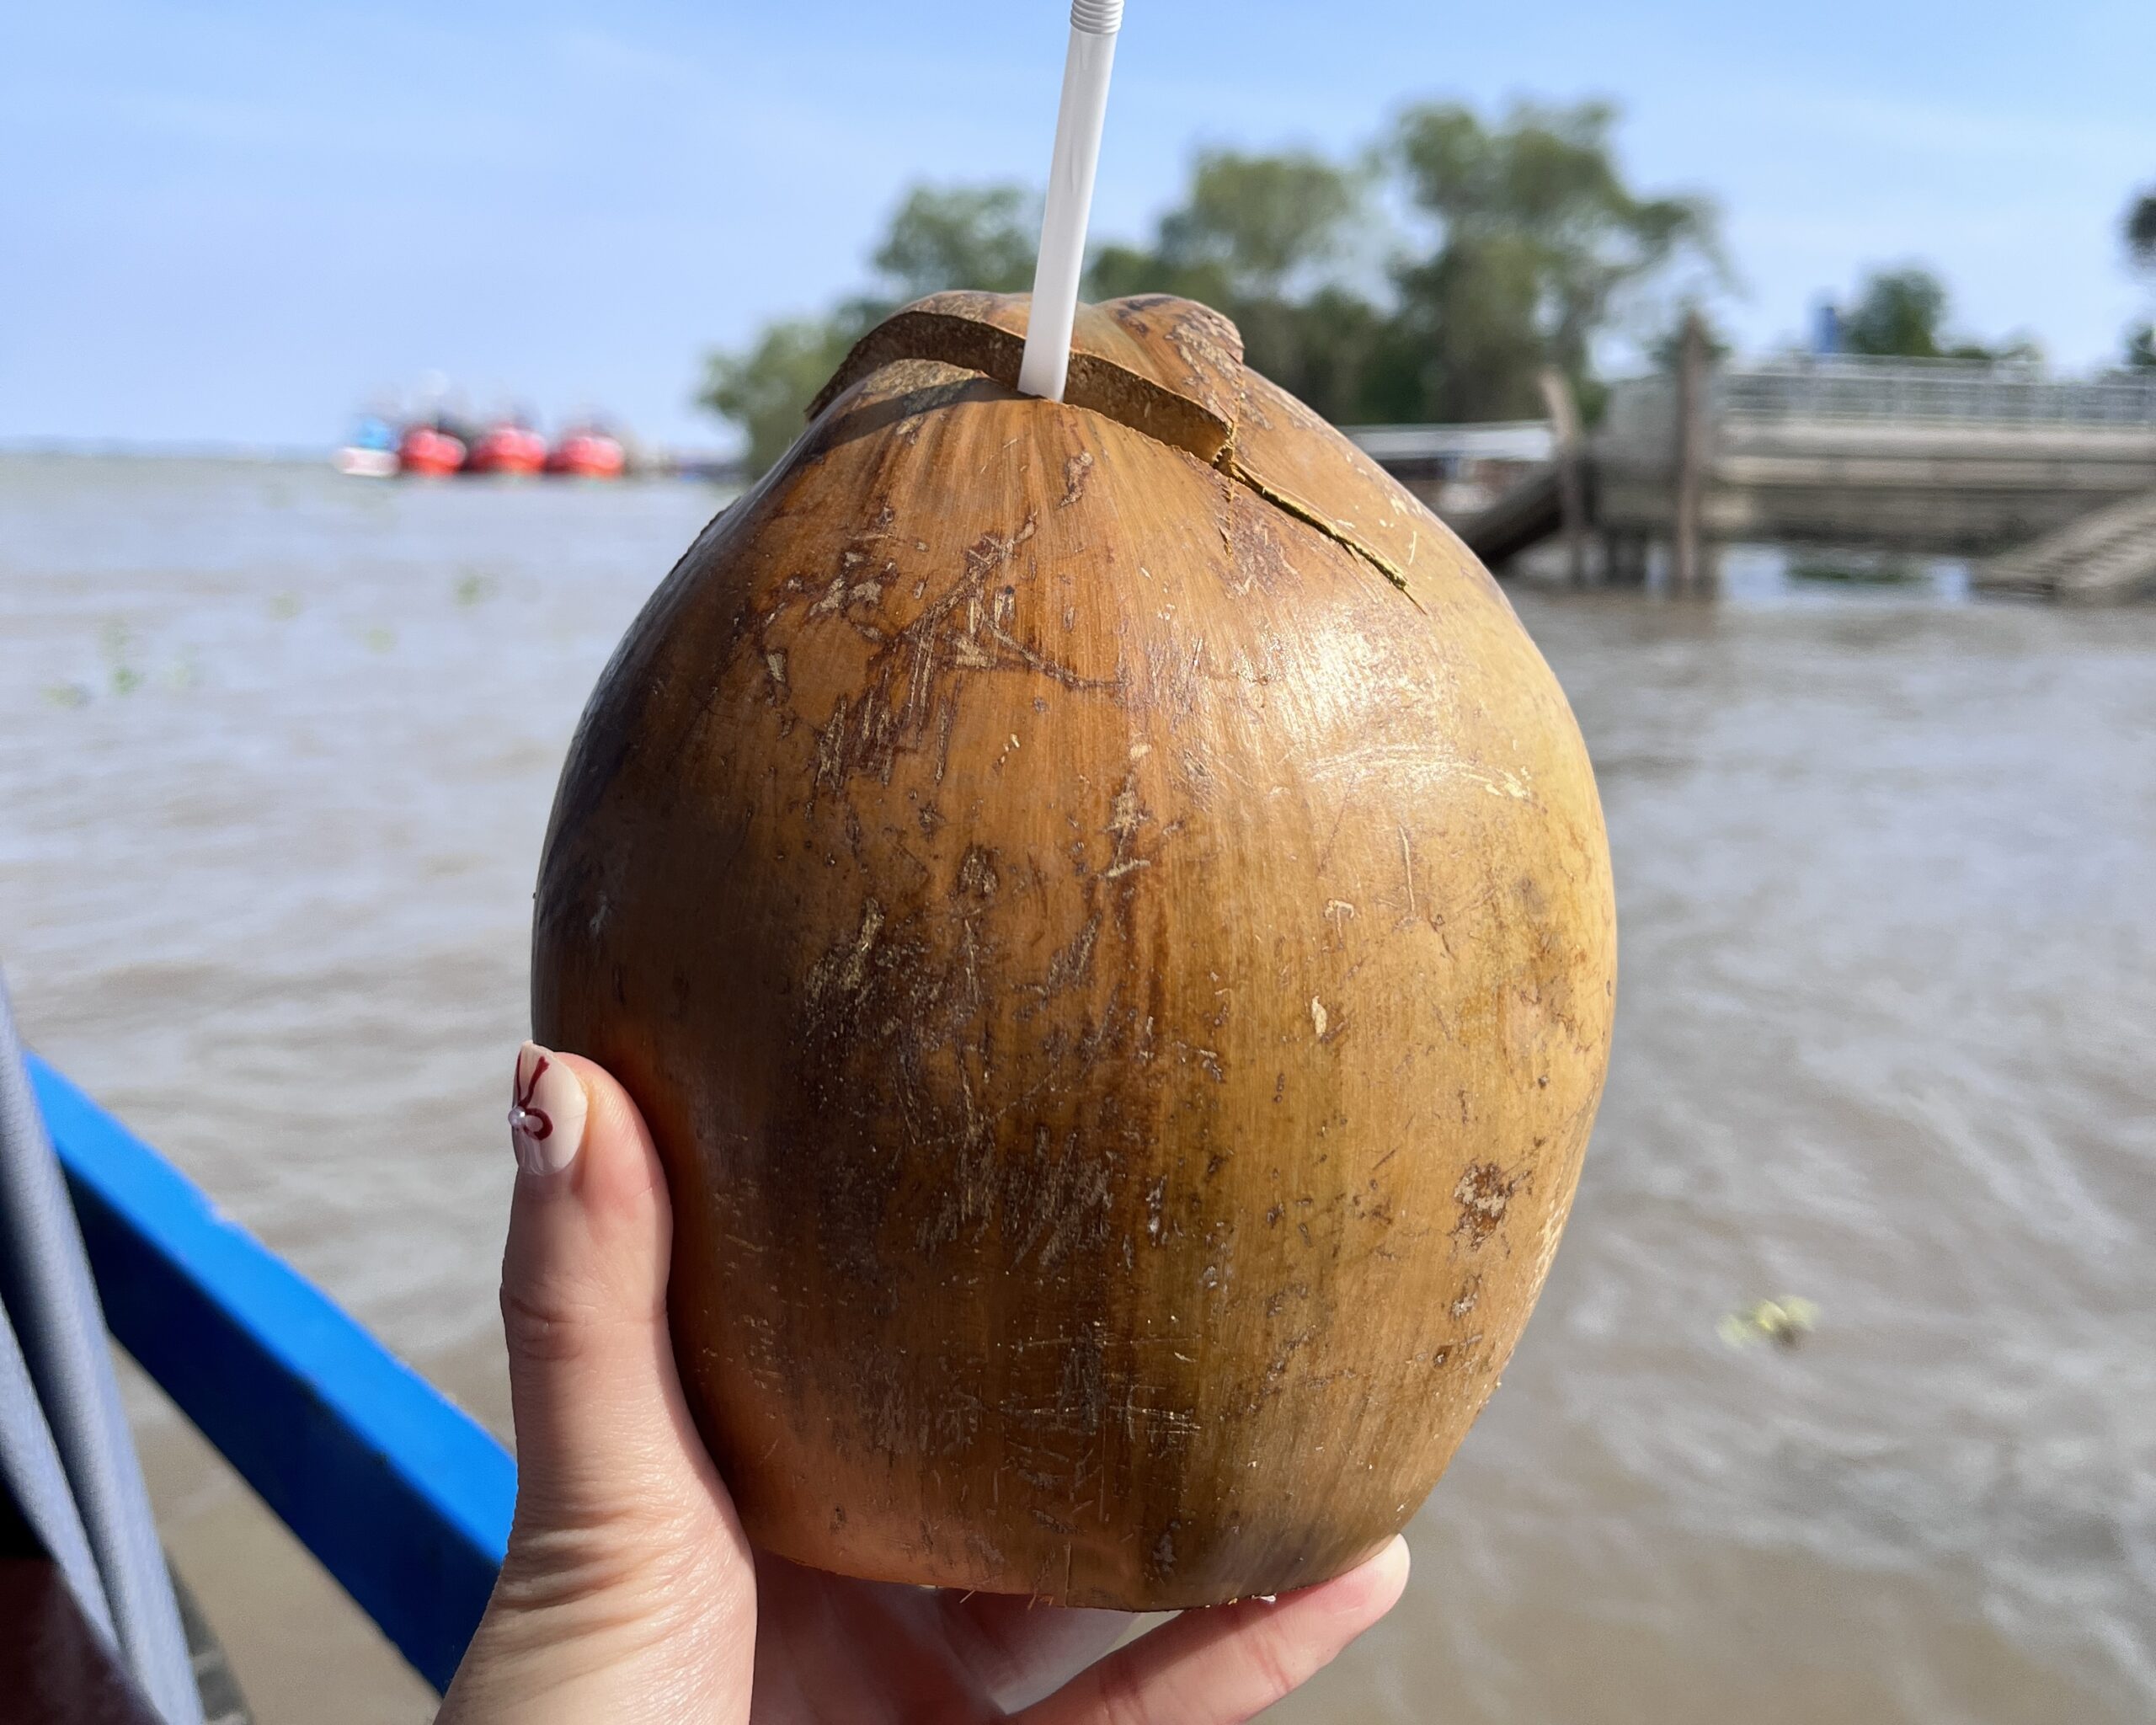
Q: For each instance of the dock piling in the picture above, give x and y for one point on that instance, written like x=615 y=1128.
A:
x=1569 y=460
x=1690 y=478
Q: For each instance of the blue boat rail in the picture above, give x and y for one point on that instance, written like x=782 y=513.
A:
x=402 y=1496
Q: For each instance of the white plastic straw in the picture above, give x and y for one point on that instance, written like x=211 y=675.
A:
x=1093 y=27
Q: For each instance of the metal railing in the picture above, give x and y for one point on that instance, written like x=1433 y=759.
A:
x=1850 y=388
x=1936 y=389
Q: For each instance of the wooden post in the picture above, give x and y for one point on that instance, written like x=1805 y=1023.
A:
x=1690 y=454
x=1571 y=487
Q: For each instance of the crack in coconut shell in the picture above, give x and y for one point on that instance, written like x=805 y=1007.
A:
x=1173 y=369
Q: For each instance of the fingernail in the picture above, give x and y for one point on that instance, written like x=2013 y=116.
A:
x=546 y=1112
x=1389 y=1567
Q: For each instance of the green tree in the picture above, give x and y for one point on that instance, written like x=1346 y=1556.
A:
x=979 y=236
x=1247 y=227
x=1259 y=221
x=1263 y=238
x=1898 y=313
x=1540 y=243
x=763 y=391
x=1902 y=314
x=2139 y=230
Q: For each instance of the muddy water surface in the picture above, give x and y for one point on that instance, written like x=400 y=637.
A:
x=275 y=753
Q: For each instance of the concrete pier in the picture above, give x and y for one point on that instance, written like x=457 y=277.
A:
x=1943 y=456
x=1951 y=457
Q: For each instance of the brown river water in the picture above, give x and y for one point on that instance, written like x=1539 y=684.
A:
x=276 y=749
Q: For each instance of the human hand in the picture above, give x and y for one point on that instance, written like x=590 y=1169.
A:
x=630 y=1593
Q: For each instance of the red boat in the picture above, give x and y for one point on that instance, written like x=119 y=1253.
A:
x=508 y=448
x=587 y=455
x=424 y=450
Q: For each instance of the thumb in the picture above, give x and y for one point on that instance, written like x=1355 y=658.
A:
x=627 y=1586
x=604 y=1437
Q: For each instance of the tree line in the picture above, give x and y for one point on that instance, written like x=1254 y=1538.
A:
x=1432 y=278
x=1903 y=313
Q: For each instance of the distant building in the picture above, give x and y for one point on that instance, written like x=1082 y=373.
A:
x=1826 y=328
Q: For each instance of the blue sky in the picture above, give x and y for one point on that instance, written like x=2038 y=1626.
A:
x=236 y=221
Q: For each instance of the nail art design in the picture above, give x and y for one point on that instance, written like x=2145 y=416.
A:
x=546 y=1112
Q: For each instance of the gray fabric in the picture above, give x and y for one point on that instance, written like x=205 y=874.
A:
x=52 y=1308
x=30 y=1474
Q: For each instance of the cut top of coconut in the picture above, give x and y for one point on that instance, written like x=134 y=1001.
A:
x=1173 y=369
